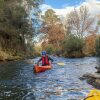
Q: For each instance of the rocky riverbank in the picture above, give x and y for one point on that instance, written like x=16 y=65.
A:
x=92 y=79
x=6 y=57
x=9 y=57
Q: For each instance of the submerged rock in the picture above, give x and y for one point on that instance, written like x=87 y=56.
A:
x=98 y=69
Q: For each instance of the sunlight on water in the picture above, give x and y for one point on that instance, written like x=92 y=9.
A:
x=18 y=81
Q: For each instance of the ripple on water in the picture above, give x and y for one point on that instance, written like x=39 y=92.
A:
x=18 y=82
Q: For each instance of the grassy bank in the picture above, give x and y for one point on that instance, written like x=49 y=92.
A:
x=4 y=56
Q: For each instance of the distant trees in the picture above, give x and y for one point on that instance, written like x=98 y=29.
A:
x=89 y=48
x=73 y=46
x=78 y=24
x=76 y=37
x=80 y=21
x=97 y=42
x=52 y=28
x=98 y=45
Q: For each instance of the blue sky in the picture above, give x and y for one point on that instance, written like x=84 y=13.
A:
x=63 y=7
x=58 y=4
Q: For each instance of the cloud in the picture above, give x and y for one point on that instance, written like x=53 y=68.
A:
x=45 y=7
x=93 y=5
x=62 y=12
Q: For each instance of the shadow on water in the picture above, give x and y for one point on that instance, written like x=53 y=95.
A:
x=15 y=81
x=98 y=65
x=18 y=82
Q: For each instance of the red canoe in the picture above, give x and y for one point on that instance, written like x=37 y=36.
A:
x=38 y=69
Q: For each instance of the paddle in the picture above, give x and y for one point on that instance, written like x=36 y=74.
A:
x=59 y=63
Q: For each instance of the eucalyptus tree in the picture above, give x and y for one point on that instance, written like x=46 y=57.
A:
x=16 y=26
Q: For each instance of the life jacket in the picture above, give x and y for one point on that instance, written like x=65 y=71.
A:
x=45 y=60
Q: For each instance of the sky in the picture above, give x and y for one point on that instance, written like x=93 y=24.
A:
x=63 y=7
x=58 y=4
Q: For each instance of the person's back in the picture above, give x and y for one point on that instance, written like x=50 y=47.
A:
x=45 y=59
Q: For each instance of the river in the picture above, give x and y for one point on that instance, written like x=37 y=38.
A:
x=19 y=82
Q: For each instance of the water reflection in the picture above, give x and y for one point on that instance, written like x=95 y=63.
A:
x=18 y=82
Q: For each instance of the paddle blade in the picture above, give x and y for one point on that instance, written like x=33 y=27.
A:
x=61 y=64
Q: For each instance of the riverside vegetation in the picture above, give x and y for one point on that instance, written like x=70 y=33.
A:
x=17 y=28
x=73 y=36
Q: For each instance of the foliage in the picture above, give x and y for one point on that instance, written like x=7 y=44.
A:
x=98 y=45
x=16 y=27
x=80 y=21
x=73 y=46
x=50 y=49
x=69 y=37
x=50 y=17
x=52 y=28
x=89 y=48
x=38 y=49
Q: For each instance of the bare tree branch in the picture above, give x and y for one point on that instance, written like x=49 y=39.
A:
x=80 y=21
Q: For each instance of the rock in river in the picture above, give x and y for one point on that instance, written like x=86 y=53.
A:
x=93 y=79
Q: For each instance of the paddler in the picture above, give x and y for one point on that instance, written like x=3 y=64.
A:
x=45 y=59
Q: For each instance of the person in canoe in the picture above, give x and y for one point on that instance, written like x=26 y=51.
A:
x=45 y=59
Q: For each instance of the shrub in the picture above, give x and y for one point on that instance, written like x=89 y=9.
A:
x=97 y=46
x=73 y=46
x=49 y=49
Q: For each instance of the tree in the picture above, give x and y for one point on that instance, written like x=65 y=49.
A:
x=80 y=21
x=52 y=28
x=98 y=45
x=89 y=48
x=73 y=46
x=16 y=27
